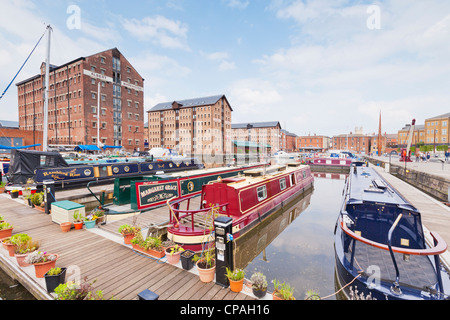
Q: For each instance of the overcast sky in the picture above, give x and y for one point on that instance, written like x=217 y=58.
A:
x=319 y=67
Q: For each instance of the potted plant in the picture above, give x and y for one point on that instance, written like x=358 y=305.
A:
x=236 y=278
x=42 y=262
x=78 y=291
x=186 y=259
x=282 y=291
x=14 y=194
x=128 y=232
x=78 y=220
x=259 y=284
x=173 y=254
x=54 y=277
x=89 y=221
x=206 y=265
x=2 y=187
x=5 y=230
x=23 y=249
x=150 y=245
x=2 y=219
x=100 y=215
x=8 y=246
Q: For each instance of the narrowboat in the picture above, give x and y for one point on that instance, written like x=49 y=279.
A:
x=380 y=248
x=41 y=166
x=248 y=199
x=132 y=194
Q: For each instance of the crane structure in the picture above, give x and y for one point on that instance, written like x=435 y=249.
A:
x=405 y=154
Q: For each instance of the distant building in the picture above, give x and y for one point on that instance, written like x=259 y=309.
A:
x=193 y=126
x=313 y=143
x=437 y=130
x=73 y=103
x=352 y=142
x=417 y=138
x=265 y=134
x=12 y=136
x=288 y=141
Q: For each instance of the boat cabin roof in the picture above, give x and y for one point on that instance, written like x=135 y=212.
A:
x=255 y=176
x=368 y=186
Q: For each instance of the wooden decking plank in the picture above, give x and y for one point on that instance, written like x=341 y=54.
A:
x=169 y=288
x=117 y=270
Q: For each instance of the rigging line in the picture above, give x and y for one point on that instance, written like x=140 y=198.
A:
x=9 y=85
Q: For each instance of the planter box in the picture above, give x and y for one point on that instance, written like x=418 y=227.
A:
x=62 y=211
x=151 y=252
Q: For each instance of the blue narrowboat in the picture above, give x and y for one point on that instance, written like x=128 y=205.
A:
x=380 y=247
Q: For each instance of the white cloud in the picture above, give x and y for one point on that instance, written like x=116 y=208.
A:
x=221 y=59
x=237 y=4
x=158 y=30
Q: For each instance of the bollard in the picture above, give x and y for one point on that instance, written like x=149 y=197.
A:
x=147 y=295
x=49 y=194
x=224 y=248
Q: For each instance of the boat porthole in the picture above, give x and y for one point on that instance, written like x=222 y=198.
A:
x=116 y=170
x=87 y=172
x=170 y=165
x=126 y=168
x=150 y=166
x=190 y=186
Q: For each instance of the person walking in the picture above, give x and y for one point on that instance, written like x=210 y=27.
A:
x=428 y=157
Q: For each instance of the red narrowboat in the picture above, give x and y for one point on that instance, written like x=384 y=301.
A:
x=248 y=199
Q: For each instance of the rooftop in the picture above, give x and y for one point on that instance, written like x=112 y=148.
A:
x=188 y=103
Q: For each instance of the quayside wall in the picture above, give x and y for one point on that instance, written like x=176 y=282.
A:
x=436 y=186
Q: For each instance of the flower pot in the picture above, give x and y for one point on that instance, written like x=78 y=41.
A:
x=10 y=247
x=173 y=258
x=236 y=286
x=20 y=258
x=128 y=237
x=89 y=224
x=152 y=252
x=78 y=225
x=14 y=195
x=66 y=226
x=259 y=293
x=5 y=233
x=186 y=259
x=41 y=269
x=39 y=208
x=206 y=275
x=53 y=281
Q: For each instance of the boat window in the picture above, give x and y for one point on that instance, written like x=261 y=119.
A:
x=261 y=192
x=292 y=179
x=283 y=184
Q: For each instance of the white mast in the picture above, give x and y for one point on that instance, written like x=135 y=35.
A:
x=47 y=71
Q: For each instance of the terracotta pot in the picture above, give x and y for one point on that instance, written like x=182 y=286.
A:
x=174 y=258
x=206 y=275
x=20 y=258
x=41 y=269
x=66 y=226
x=78 y=225
x=236 y=286
x=10 y=247
x=127 y=238
x=5 y=233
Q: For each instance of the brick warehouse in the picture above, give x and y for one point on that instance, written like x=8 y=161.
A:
x=198 y=126
x=72 y=106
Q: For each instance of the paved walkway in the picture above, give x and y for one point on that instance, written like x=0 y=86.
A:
x=436 y=166
x=435 y=215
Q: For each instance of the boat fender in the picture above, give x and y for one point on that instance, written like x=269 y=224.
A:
x=229 y=237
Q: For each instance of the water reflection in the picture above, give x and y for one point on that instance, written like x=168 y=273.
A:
x=296 y=245
x=12 y=290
